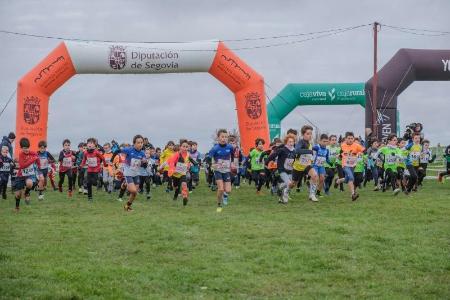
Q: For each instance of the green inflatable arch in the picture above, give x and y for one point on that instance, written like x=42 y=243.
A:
x=296 y=94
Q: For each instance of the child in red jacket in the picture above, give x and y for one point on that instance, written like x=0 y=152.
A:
x=66 y=160
x=93 y=159
x=26 y=173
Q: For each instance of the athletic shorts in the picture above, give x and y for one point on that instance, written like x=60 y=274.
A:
x=225 y=177
x=132 y=179
x=320 y=170
x=297 y=175
x=349 y=174
x=17 y=184
x=43 y=172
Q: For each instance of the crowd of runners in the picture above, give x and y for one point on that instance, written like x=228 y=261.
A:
x=284 y=167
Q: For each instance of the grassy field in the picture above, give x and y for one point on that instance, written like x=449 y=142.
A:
x=379 y=246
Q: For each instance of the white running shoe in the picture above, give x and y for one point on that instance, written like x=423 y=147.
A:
x=396 y=191
x=119 y=199
x=41 y=197
x=285 y=196
x=313 y=198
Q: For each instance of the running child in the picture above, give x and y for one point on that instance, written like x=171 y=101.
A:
x=66 y=160
x=330 y=167
x=195 y=168
x=82 y=147
x=6 y=168
x=93 y=159
x=179 y=164
x=45 y=159
x=25 y=178
x=220 y=156
x=349 y=153
x=285 y=156
x=426 y=157
x=134 y=159
x=321 y=156
x=413 y=161
x=168 y=152
x=107 y=170
x=257 y=165
x=302 y=165
x=146 y=173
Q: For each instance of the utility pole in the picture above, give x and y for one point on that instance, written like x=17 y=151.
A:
x=375 y=81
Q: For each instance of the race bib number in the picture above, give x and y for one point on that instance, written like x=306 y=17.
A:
x=391 y=159
x=6 y=167
x=67 y=162
x=135 y=164
x=351 y=161
x=288 y=164
x=414 y=156
x=181 y=168
x=424 y=158
x=43 y=162
x=92 y=162
x=28 y=171
x=320 y=160
x=305 y=160
x=223 y=166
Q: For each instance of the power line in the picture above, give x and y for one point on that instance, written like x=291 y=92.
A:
x=181 y=42
x=7 y=102
x=415 y=29
x=291 y=35
x=329 y=33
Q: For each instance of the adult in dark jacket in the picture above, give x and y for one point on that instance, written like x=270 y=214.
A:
x=7 y=141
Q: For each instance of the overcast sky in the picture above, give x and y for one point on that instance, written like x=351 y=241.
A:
x=170 y=106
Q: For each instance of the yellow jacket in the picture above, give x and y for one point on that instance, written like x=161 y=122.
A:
x=165 y=155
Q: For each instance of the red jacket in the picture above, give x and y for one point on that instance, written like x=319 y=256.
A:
x=93 y=160
x=26 y=161
x=66 y=160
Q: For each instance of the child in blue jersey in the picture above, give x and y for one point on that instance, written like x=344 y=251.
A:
x=45 y=159
x=134 y=159
x=321 y=156
x=220 y=156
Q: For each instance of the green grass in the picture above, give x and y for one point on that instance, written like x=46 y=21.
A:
x=379 y=246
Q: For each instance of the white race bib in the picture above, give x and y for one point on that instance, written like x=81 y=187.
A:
x=43 y=162
x=424 y=158
x=181 y=168
x=223 y=165
x=305 y=159
x=6 y=167
x=351 y=161
x=28 y=171
x=91 y=162
x=67 y=162
x=288 y=164
x=414 y=156
x=320 y=160
x=135 y=164
x=391 y=159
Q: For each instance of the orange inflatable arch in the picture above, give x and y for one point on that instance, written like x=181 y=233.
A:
x=70 y=58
